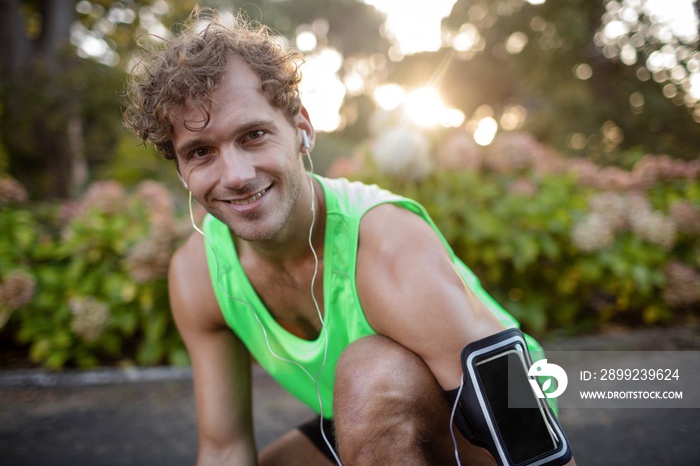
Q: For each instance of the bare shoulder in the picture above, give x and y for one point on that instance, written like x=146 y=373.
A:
x=400 y=258
x=389 y=228
x=192 y=296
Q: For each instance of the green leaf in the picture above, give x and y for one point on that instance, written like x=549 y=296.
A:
x=57 y=359
x=40 y=350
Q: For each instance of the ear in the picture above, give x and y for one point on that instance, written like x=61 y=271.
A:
x=304 y=124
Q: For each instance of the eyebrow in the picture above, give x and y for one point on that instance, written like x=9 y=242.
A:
x=242 y=129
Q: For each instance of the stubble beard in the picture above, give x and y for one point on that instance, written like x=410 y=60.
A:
x=265 y=226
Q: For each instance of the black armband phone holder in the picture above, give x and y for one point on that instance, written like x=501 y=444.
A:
x=499 y=409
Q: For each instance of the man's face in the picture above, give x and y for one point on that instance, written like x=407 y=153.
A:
x=245 y=166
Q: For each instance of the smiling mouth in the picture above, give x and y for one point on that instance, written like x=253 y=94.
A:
x=249 y=200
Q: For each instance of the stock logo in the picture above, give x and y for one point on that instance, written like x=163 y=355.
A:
x=544 y=369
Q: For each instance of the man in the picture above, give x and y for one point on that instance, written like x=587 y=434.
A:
x=345 y=293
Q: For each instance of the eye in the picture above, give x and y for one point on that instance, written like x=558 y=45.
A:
x=253 y=135
x=200 y=152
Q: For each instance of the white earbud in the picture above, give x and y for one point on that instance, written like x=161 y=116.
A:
x=305 y=140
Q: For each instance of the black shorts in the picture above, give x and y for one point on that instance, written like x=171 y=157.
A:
x=312 y=430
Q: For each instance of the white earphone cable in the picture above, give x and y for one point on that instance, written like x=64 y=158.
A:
x=452 y=418
x=324 y=332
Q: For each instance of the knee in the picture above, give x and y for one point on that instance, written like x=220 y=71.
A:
x=381 y=392
x=375 y=370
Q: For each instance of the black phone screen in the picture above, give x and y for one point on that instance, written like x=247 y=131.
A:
x=525 y=432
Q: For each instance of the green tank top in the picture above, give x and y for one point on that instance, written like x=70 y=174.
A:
x=299 y=362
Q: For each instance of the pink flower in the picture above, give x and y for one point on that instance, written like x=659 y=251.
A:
x=105 y=196
x=11 y=191
x=686 y=217
x=90 y=317
x=682 y=284
x=17 y=289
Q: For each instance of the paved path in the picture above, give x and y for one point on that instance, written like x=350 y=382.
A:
x=148 y=417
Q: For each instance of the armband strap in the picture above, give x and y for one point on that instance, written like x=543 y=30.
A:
x=495 y=369
x=460 y=419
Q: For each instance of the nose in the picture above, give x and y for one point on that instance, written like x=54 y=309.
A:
x=237 y=168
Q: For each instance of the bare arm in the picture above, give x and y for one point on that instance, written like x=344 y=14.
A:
x=411 y=293
x=220 y=362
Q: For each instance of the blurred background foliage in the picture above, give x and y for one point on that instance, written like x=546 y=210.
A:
x=555 y=144
x=568 y=246
x=84 y=283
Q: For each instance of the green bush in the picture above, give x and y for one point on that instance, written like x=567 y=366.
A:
x=94 y=287
x=561 y=243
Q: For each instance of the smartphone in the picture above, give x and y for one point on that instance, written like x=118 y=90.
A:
x=518 y=428
x=526 y=432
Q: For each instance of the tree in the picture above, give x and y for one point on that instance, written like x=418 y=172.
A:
x=58 y=110
x=549 y=60
x=28 y=42
x=62 y=67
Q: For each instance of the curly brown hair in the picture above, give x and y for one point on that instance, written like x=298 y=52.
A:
x=191 y=65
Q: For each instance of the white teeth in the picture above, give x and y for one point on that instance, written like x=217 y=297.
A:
x=250 y=200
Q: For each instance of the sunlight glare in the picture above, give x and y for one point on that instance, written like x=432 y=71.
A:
x=423 y=106
x=467 y=38
x=322 y=90
x=516 y=42
x=678 y=15
x=694 y=86
x=414 y=24
x=451 y=117
x=485 y=132
x=669 y=26
x=306 y=41
x=389 y=96
x=513 y=117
